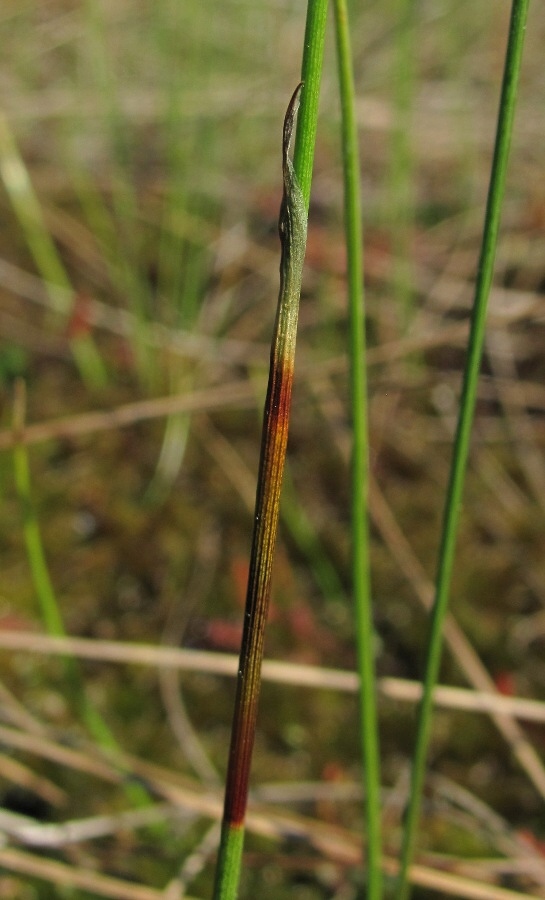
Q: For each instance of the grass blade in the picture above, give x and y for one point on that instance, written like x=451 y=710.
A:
x=297 y=181
x=38 y=566
x=26 y=206
x=453 y=503
x=311 y=73
x=293 y=230
x=360 y=457
x=47 y=599
x=400 y=210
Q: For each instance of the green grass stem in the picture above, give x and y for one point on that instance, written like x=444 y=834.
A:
x=292 y=229
x=311 y=74
x=29 y=213
x=453 y=502
x=36 y=557
x=229 y=862
x=49 y=606
x=361 y=584
x=400 y=200
x=99 y=69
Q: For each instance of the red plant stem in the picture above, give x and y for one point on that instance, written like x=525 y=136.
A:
x=292 y=228
x=273 y=451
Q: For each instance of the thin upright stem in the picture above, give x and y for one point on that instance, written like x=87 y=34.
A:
x=361 y=584
x=453 y=503
x=292 y=227
x=293 y=231
x=311 y=74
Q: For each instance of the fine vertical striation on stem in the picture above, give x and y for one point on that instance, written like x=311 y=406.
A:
x=292 y=228
x=453 y=501
x=360 y=544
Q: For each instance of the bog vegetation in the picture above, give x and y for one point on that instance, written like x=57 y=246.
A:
x=140 y=176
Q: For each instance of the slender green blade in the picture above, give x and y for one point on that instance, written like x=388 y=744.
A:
x=453 y=503
x=360 y=458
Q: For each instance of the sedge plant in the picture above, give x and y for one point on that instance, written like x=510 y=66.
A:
x=400 y=202
x=293 y=234
x=49 y=607
x=453 y=502
x=292 y=229
x=361 y=585
x=293 y=218
x=47 y=599
x=275 y=429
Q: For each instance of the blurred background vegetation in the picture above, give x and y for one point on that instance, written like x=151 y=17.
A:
x=140 y=186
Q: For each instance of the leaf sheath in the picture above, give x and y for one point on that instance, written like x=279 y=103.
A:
x=292 y=229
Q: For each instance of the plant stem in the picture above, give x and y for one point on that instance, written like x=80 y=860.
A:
x=36 y=557
x=311 y=74
x=360 y=458
x=453 y=503
x=293 y=231
x=49 y=606
x=401 y=200
x=27 y=208
x=292 y=226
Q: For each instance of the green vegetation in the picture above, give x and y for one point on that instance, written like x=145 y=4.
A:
x=140 y=170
